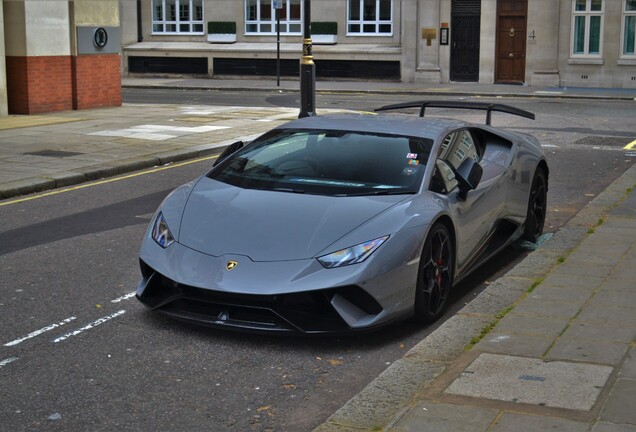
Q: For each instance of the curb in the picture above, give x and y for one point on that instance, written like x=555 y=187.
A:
x=387 y=398
x=392 y=91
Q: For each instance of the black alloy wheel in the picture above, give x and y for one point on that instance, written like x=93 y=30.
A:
x=435 y=277
x=537 y=206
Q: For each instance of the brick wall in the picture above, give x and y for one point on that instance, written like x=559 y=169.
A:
x=59 y=83
x=39 y=84
x=96 y=81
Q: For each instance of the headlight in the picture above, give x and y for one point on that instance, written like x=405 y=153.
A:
x=353 y=255
x=161 y=233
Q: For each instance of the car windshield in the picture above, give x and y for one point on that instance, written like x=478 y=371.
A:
x=337 y=163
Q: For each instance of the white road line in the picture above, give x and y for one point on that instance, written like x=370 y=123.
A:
x=122 y=298
x=39 y=332
x=89 y=326
x=7 y=361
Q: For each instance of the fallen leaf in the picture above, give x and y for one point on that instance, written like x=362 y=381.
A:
x=263 y=408
x=334 y=362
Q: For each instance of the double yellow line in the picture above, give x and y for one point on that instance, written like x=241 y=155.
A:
x=110 y=180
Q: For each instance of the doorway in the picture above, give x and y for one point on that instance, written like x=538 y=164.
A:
x=465 y=27
x=510 y=63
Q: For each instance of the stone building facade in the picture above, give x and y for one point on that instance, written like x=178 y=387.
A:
x=534 y=42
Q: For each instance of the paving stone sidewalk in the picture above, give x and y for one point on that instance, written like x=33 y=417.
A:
x=549 y=346
x=48 y=151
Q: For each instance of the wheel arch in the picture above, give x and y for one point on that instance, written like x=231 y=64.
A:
x=448 y=223
x=543 y=165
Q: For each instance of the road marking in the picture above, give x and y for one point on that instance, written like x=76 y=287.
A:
x=111 y=180
x=89 y=326
x=122 y=298
x=157 y=132
x=7 y=361
x=40 y=331
x=630 y=146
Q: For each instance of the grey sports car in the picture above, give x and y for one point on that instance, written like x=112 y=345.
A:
x=343 y=222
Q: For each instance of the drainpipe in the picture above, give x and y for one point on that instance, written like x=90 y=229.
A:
x=140 y=35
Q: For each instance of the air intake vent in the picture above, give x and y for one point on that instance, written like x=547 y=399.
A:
x=466 y=7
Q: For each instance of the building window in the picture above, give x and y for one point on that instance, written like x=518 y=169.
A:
x=177 y=16
x=629 y=28
x=587 y=28
x=370 y=17
x=260 y=17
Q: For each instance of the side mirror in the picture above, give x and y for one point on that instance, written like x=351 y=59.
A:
x=468 y=176
x=229 y=150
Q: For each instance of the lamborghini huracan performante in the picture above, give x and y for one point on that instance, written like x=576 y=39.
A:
x=344 y=222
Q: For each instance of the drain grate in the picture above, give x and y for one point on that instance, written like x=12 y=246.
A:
x=604 y=141
x=53 y=153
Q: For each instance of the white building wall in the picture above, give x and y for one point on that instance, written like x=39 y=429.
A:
x=47 y=25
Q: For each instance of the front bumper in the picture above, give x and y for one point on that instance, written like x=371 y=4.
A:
x=303 y=312
x=298 y=296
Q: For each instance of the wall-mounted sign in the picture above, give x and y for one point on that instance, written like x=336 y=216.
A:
x=443 y=36
x=98 y=40
x=429 y=34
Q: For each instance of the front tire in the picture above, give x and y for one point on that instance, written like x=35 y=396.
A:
x=537 y=207
x=435 y=276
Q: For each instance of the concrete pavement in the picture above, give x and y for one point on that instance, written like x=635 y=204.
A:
x=550 y=345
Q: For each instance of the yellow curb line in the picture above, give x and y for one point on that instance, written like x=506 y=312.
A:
x=630 y=146
x=111 y=180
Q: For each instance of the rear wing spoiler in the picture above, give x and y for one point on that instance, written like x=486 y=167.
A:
x=483 y=106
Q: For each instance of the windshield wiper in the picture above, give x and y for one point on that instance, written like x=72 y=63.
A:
x=290 y=190
x=380 y=192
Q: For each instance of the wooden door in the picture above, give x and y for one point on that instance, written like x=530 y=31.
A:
x=511 y=41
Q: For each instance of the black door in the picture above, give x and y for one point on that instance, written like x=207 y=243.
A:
x=464 y=65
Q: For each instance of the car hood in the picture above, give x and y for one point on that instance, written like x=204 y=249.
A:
x=221 y=219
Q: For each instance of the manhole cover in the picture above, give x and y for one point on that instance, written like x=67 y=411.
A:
x=555 y=384
x=604 y=141
x=53 y=153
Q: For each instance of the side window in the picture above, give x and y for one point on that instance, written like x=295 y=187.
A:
x=456 y=147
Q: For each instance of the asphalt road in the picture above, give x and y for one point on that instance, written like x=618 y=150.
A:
x=77 y=353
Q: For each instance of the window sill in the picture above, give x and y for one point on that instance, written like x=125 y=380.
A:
x=273 y=34
x=369 y=34
x=626 y=62
x=586 y=61
x=176 y=34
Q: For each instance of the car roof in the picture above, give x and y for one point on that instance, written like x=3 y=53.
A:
x=398 y=124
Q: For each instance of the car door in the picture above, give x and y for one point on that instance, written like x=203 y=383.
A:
x=475 y=214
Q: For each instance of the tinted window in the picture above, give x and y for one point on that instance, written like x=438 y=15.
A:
x=328 y=163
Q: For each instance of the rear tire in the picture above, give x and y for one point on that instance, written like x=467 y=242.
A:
x=537 y=206
x=435 y=276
